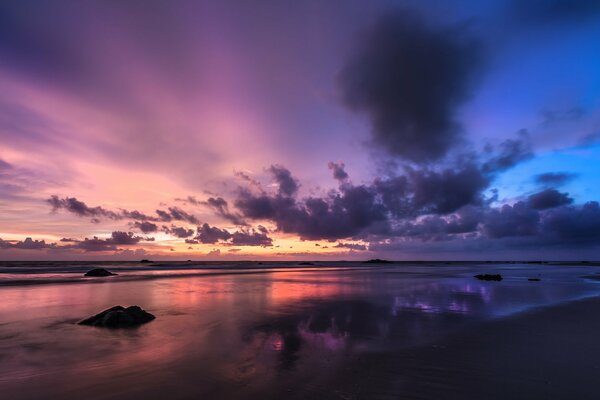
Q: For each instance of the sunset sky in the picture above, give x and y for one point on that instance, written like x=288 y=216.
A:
x=299 y=130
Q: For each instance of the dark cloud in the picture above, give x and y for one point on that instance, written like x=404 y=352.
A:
x=554 y=178
x=71 y=204
x=145 y=227
x=250 y=238
x=119 y=237
x=136 y=215
x=221 y=207
x=410 y=79
x=288 y=186
x=27 y=244
x=508 y=154
x=96 y=244
x=549 y=198
x=357 y=210
x=446 y=191
x=244 y=237
x=339 y=173
x=176 y=214
x=116 y=239
x=208 y=234
x=77 y=207
x=179 y=232
x=351 y=246
x=339 y=215
x=437 y=228
x=516 y=220
x=573 y=225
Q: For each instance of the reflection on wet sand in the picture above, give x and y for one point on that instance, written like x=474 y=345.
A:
x=246 y=335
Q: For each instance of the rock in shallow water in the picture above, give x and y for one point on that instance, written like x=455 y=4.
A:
x=99 y=272
x=489 y=277
x=119 y=317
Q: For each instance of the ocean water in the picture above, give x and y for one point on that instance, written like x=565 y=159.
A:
x=244 y=330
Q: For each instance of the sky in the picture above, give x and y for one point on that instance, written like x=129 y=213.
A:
x=233 y=130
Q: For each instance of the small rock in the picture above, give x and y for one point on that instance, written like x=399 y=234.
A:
x=145 y=261
x=489 y=277
x=534 y=279
x=99 y=272
x=119 y=317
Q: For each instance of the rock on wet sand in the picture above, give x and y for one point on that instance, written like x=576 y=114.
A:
x=119 y=317
x=99 y=272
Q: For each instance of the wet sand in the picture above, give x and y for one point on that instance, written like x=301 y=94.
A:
x=346 y=332
x=546 y=353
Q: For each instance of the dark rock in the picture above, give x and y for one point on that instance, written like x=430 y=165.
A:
x=99 y=272
x=305 y=263
x=378 y=261
x=534 y=279
x=119 y=317
x=489 y=277
x=145 y=261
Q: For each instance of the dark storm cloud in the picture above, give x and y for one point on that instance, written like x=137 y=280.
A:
x=516 y=220
x=446 y=191
x=339 y=215
x=339 y=173
x=145 y=227
x=549 y=198
x=452 y=197
x=355 y=210
x=288 y=185
x=435 y=227
x=554 y=178
x=573 y=225
x=410 y=78
x=77 y=207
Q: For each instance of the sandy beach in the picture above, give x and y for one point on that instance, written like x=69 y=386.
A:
x=331 y=331
x=545 y=353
